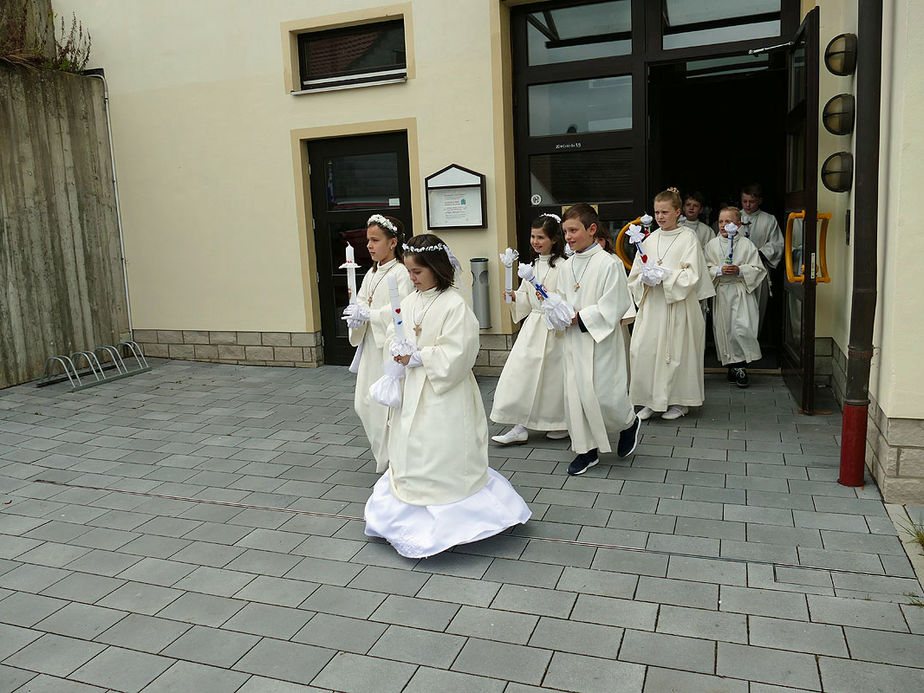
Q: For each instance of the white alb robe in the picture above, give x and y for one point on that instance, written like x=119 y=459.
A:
x=439 y=491
x=597 y=404
x=763 y=231
x=735 y=318
x=704 y=233
x=669 y=337
x=530 y=391
x=371 y=339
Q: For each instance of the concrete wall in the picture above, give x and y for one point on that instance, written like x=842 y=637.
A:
x=61 y=285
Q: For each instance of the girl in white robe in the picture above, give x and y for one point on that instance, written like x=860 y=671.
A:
x=736 y=277
x=763 y=230
x=438 y=491
x=529 y=391
x=369 y=319
x=669 y=336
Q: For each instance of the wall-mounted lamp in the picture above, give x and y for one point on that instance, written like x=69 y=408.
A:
x=837 y=172
x=841 y=54
x=839 y=114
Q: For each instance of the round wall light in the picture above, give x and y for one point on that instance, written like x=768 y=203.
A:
x=839 y=114
x=837 y=172
x=841 y=54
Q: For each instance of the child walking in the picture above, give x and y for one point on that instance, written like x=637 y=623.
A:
x=529 y=391
x=693 y=205
x=737 y=272
x=597 y=404
x=763 y=230
x=369 y=319
x=438 y=491
x=669 y=337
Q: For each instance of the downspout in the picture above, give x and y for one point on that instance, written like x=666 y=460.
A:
x=115 y=186
x=863 y=303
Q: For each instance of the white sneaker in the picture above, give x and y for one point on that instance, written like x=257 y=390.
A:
x=674 y=412
x=645 y=413
x=515 y=436
x=556 y=435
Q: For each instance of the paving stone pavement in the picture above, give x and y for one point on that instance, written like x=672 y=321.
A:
x=198 y=528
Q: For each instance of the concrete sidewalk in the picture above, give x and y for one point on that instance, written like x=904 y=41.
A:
x=198 y=528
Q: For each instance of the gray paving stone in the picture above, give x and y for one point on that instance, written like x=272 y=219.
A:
x=54 y=654
x=219 y=648
x=559 y=553
x=140 y=598
x=865 y=677
x=716 y=529
x=604 y=583
x=887 y=648
x=615 y=612
x=285 y=660
x=840 y=560
x=103 y=562
x=157 y=571
x=459 y=590
x=83 y=587
x=427 y=680
x=51 y=684
x=679 y=592
x=183 y=677
x=768 y=666
x=706 y=570
x=280 y=591
x=418 y=646
x=80 y=621
x=417 y=613
x=343 y=601
x=635 y=562
x=340 y=633
x=699 y=623
x=202 y=609
x=798 y=636
x=593 y=675
x=754 y=551
x=664 y=650
x=324 y=571
x=145 y=633
x=14 y=638
x=206 y=553
x=360 y=674
x=493 y=624
x=534 y=600
x=122 y=670
x=31 y=578
x=669 y=543
x=272 y=621
x=761 y=602
x=24 y=609
x=503 y=661
x=671 y=681
x=523 y=573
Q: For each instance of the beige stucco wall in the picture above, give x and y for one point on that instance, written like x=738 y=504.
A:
x=203 y=129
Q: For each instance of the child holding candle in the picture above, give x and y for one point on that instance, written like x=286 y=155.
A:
x=369 y=318
x=593 y=282
x=669 y=337
x=737 y=272
x=438 y=491
x=529 y=392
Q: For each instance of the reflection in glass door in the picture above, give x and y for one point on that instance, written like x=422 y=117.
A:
x=351 y=179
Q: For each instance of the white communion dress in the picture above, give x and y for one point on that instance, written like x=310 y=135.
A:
x=531 y=386
x=439 y=491
x=371 y=339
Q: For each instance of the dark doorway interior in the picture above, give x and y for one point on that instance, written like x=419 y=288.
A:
x=715 y=125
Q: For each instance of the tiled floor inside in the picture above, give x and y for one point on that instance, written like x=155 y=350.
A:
x=198 y=528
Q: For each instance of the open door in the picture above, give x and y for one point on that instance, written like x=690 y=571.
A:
x=802 y=209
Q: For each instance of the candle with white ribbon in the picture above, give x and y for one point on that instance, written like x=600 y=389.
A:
x=507 y=259
x=646 y=220
x=731 y=229
x=350 y=266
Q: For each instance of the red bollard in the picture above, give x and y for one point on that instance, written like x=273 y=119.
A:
x=853 y=444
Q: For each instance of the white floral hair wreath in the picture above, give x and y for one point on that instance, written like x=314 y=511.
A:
x=453 y=260
x=383 y=222
x=551 y=216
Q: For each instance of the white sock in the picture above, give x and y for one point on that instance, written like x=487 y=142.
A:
x=517 y=429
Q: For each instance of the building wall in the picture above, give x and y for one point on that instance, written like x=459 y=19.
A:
x=209 y=147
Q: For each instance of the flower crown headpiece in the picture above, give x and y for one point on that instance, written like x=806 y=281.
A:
x=551 y=216
x=379 y=220
x=453 y=260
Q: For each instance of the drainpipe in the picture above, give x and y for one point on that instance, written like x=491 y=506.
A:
x=863 y=304
x=115 y=187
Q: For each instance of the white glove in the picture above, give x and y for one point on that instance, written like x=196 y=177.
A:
x=652 y=274
x=558 y=313
x=402 y=347
x=415 y=361
x=355 y=315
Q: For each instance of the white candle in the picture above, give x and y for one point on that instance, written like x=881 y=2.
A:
x=507 y=259
x=351 y=273
x=395 y=306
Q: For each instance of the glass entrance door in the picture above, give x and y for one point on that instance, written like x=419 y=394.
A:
x=802 y=211
x=351 y=179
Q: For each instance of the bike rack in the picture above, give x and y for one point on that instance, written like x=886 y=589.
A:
x=70 y=365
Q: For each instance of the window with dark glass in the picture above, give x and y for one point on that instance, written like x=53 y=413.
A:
x=697 y=23
x=584 y=32
x=356 y=55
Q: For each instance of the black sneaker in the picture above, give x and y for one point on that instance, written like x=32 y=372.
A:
x=741 y=377
x=583 y=462
x=628 y=438
x=731 y=375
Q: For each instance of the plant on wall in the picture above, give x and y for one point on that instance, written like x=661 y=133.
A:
x=38 y=44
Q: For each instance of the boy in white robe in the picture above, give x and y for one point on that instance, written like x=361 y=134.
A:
x=763 y=230
x=669 y=338
x=692 y=207
x=369 y=319
x=597 y=405
x=736 y=271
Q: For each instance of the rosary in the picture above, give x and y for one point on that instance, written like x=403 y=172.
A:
x=417 y=323
x=384 y=274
